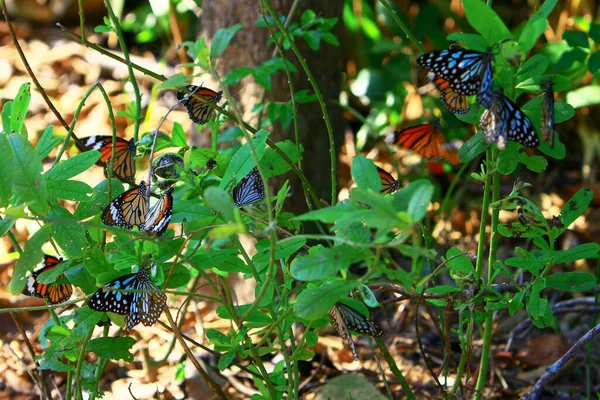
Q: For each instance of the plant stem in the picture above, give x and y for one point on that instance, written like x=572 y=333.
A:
x=487 y=336
x=400 y=23
x=315 y=87
x=395 y=370
x=136 y=89
x=80 y=361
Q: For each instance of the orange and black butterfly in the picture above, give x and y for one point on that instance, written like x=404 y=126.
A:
x=388 y=183
x=54 y=293
x=123 y=165
x=131 y=209
x=427 y=141
x=547 y=123
x=157 y=219
x=198 y=110
x=454 y=101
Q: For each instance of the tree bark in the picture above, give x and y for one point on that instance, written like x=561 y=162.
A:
x=249 y=49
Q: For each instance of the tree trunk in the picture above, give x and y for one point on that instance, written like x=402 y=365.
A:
x=249 y=49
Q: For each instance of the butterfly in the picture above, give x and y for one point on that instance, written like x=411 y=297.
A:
x=388 y=183
x=131 y=209
x=346 y=318
x=455 y=102
x=123 y=165
x=547 y=123
x=505 y=121
x=157 y=219
x=198 y=110
x=54 y=293
x=249 y=190
x=144 y=307
x=468 y=72
x=426 y=140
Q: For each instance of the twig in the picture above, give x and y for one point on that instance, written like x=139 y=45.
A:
x=554 y=369
x=216 y=389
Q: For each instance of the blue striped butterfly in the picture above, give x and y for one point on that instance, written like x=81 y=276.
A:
x=547 y=122
x=131 y=209
x=503 y=121
x=464 y=69
x=123 y=166
x=198 y=110
x=139 y=306
x=346 y=319
x=249 y=190
x=54 y=293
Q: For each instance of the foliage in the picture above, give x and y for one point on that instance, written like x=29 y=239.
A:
x=361 y=236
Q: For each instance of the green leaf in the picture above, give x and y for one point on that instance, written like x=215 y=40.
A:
x=594 y=62
x=73 y=166
x=222 y=38
x=273 y=164
x=571 y=281
x=214 y=258
x=190 y=210
x=199 y=157
x=32 y=254
x=226 y=360
x=419 y=202
x=534 y=66
x=365 y=174
x=508 y=159
x=19 y=108
x=283 y=250
x=6 y=111
x=282 y=111
x=6 y=171
x=472 y=147
x=70 y=190
x=220 y=201
x=580 y=252
x=532 y=31
x=533 y=163
x=531 y=263
x=594 y=33
x=5 y=224
x=576 y=38
x=234 y=77
x=46 y=143
x=28 y=181
x=178 y=135
x=180 y=277
x=485 y=21
x=55 y=365
x=175 y=82
x=313 y=39
x=576 y=206
x=313 y=303
x=516 y=303
x=324 y=262
x=242 y=161
x=461 y=264
x=115 y=348
x=69 y=236
x=100 y=199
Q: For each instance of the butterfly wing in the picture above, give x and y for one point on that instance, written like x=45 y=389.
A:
x=462 y=68
x=339 y=323
x=127 y=210
x=123 y=164
x=357 y=322
x=54 y=293
x=455 y=102
x=159 y=216
x=547 y=122
x=388 y=183
x=198 y=111
x=105 y=299
x=426 y=140
x=145 y=307
x=249 y=190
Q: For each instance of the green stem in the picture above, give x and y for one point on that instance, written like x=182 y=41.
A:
x=101 y=363
x=400 y=23
x=69 y=385
x=261 y=368
x=489 y=320
x=318 y=94
x=80 y=361
x=395 y=370
x=136 y=89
